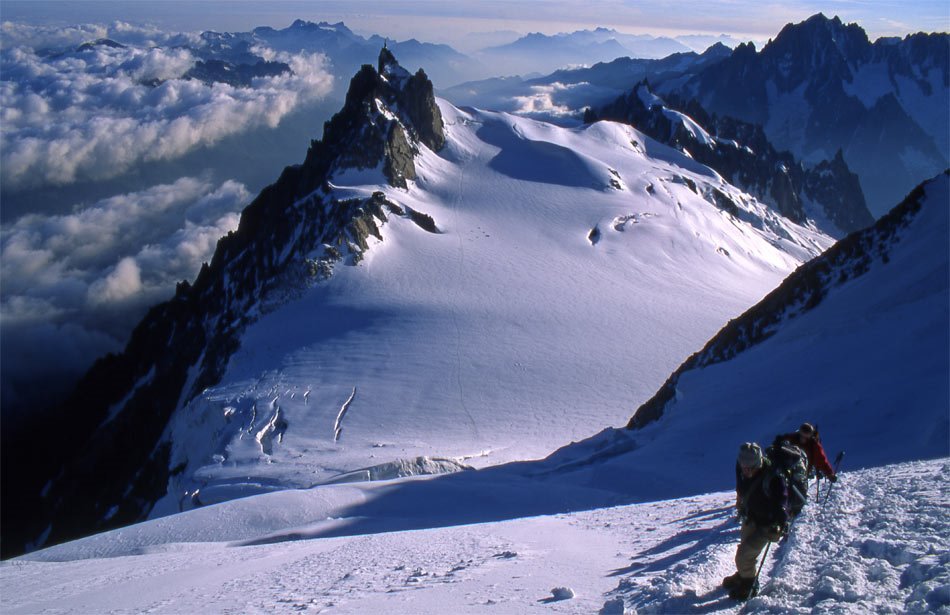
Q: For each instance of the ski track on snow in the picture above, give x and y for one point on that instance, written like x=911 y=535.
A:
x=455 y=318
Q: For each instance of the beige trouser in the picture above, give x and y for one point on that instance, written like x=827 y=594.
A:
x=752 y=539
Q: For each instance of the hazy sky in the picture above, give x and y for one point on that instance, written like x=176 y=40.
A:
x=452 y=21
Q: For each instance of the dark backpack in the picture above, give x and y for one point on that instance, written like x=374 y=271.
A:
x=791 y=462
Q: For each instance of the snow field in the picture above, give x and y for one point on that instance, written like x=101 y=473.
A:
x=501 y=337
x=878 y=544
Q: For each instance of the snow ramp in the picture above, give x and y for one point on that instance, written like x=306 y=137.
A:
x=877 y=544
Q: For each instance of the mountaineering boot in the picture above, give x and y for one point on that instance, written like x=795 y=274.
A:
x=742 y=589
x=732 y=580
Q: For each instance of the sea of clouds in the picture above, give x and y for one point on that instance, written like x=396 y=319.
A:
x=72 y=115
x=72 y=286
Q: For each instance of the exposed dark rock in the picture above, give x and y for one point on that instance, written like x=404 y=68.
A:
x=400 y=165
x=238 y=75
x=353 y=142
x=891 y=144
x=832 y=183
x=423 y=112
x=723 y=202
x=423 y=221
x=594 y=235
x=743 y=155
x=100 y=42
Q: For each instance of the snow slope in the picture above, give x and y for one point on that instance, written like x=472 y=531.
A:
x=876 y=544
x=571 y=271
x=857 y=341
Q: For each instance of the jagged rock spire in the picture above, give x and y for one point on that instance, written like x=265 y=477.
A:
x=387 y=114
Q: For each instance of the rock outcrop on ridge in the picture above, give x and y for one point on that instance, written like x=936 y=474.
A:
x=742 y=154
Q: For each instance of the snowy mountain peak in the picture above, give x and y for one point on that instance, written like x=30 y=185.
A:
x=646 y=95
x=821 y=86
x=718 y=49
x=389 y=67
x=817 y=45
x=301 y=24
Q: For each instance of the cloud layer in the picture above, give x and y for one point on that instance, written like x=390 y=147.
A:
x=93 y=114
x=75 y=285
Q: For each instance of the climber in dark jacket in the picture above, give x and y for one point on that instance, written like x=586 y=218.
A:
x=806 y=438
x=762 y=498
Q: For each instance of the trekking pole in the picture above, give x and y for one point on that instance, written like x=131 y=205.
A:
x=755 y=584
x=818 y=487
x=837 y=463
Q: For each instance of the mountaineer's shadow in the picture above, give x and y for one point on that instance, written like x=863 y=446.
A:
x=681 y=550
x=680 y=547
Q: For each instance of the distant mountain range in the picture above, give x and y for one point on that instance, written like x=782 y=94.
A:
x=345 y=50
x=545 y=53
x=532 y=54
x=821 y=86
x=565 y=93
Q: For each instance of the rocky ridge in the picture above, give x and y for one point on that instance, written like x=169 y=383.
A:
x=822 y=86
x=800 y=293
x=113 y=460
x=742 y=154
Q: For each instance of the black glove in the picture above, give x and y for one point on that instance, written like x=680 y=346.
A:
x=833 y=478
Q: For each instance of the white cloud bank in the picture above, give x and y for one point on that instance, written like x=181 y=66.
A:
x=91 y=115
x=75 y=285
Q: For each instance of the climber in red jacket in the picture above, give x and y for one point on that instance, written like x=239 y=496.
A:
x=807 y=439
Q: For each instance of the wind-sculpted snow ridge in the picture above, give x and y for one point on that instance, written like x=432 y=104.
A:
x=874 y=543
x=419 y=466
x=338 y=424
